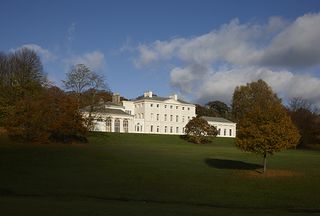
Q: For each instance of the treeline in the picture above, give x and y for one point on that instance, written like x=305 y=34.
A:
x=34 y=110
x=303 y=113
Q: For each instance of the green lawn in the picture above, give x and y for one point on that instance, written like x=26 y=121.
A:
x=130 y=174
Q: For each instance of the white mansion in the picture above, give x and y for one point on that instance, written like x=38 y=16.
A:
x=150 y=114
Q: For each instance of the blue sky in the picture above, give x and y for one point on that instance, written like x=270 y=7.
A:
x=199 y=49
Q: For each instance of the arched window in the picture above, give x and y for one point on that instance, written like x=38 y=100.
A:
x=108 y=125
x=117 y=125
x=126 y=125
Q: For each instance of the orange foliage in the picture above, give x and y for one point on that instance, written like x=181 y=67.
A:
x=50 y=116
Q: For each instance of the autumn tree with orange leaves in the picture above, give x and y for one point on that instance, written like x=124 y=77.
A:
x=50 y=116
x=264 y=126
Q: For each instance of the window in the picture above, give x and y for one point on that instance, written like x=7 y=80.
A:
x=171 y=107
x=182 y=108
x=165 y=106
x=182 y=118
x=177 y=118
x=171 y=117
x=141 y=128
x=108 y=124
x=177 y=129
x=157 y=117
x=157 y=105
x=230 y=132
x=165 y=117
x=183 y=130
x=126 y=126
x=176 y=107
x=151 y=105
x=188 y=118
x=165 y=129
x=157 y=129
x=225 y=132
x=151 y=128
x=219 y=131
x=188 y=108
x=141 y=115
x=151 y=116
x=117 y=125
x=171 y=129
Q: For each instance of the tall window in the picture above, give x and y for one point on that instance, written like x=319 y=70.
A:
x=165 y=129
x=117 y=125
x=108 y=125
x=225 y=132
x=219 y=131
x=157 y=117
x=177 y=129
x=165 y=117
x=138 y=127
x=171 y=117
x=126 y=125
x=157 y=129
x=182 y=118
x=151 y=128
x=177 y=118
x=171 y=129
x=230 y=132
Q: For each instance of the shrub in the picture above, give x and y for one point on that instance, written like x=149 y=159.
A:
x=199 y=131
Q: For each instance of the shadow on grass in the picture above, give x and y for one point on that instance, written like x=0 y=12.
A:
x=231 y=164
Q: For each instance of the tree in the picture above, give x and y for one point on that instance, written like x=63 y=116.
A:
x=80 y=78
x=204 y=111
x=220 y=108
x=51 y=116
x=199 y=131
x=21 y=75
x=304 y=115
x=264 y=126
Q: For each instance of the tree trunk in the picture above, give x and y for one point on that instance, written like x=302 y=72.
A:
x=264 y=162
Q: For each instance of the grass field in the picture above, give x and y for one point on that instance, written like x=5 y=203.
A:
x=129 y=174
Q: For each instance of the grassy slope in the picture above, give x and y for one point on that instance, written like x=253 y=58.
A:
x=132 y=174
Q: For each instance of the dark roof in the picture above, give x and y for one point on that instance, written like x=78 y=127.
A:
x=102 y=109
x=157 y=98
x=216 y=119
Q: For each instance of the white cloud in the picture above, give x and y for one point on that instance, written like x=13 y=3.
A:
x=94 y=60
x=220 y=84
x=248 y=51
x=45 y=54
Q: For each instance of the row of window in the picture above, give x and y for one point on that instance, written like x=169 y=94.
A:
x=141 y=116
x=225 y=132
x=167 y=129
x=158 y=105
x=116 y=125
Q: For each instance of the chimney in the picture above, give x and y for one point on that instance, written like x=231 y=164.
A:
x=116 y=98
x=148 y=94
x=175 y=97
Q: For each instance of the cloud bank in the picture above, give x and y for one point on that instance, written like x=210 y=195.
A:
x=211 y=65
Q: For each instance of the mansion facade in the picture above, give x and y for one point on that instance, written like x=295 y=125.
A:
x=148 y=113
